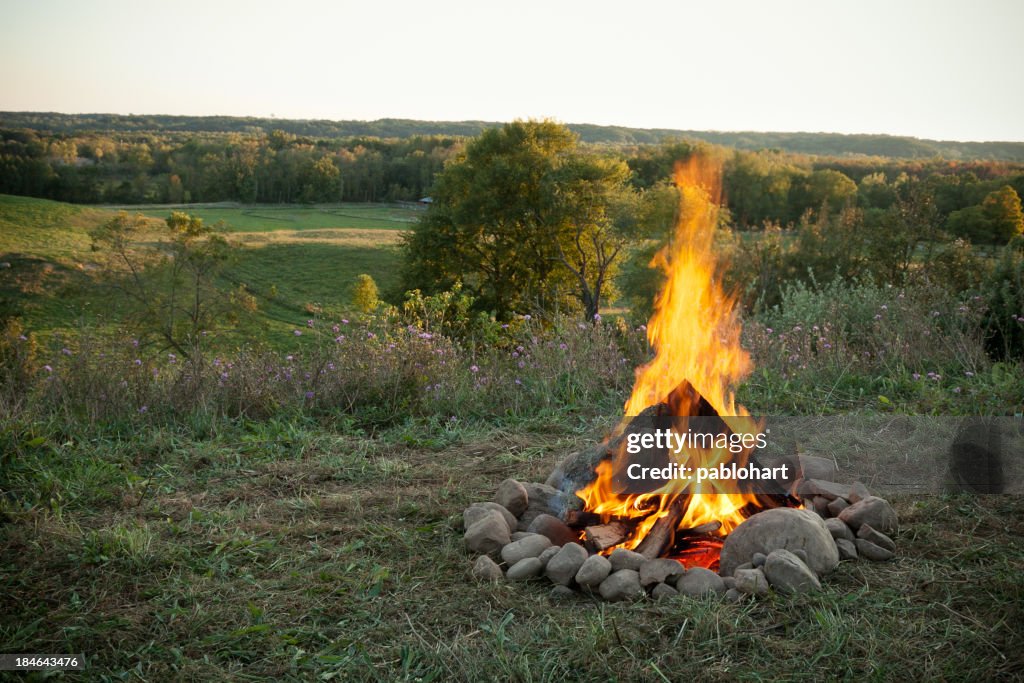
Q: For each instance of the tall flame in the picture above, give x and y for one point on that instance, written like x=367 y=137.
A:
x=695 y=333
x=694 y=330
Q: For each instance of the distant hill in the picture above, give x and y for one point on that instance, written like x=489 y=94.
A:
x=824 y=144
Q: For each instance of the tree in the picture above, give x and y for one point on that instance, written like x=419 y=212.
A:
x=523 y=219
x=364 y=294
x=173 y=293
x=997 y=220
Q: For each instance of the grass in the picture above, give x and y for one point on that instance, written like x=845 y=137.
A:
x=289 y=552
x=295 y=259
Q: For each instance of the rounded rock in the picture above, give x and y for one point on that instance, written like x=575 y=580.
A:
x=786 y=528
x=868 y=533
x=873 y=552
x=562 y=568
x=873 y=511
x=488 y=535
x=847 y=549
x=626 y=559
x=548 y=553
x=622 y=585
x=838 y=529
x=557 y=531
x=663 y=591
x=509 y=518
x=788 y=574
x=486 y=569
x=660 y=570
x=593 y=571
x=526 y=568
x=751 y=581
x=530 y=546
x=698 y=581
x=512 y=496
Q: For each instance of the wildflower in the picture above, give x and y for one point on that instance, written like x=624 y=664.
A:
x=563 y=346
x=22 y=337
x=330 y=366
x=520 y=349
x=517 y=381
x=769 y=330
x=527 y=317
x=426 y=335
x=935 y=314
x=135 y=343
x=223 y=375
x=597 y=317
x=885 y=307
x=335 y=329
x=340 y=338
x=171 y=358
x=66 y=351
x=371 y=335
x=289 y=358
x=473 y=368
x=916 y=376
x=297 y=333
x=138 y=361
x=47 y=368
x=309 y=395
x=344 y=321
x=521 y=364
x=515 y=354
x=642 y=328
x=878 y=316
x=969 y=373
x=828 y=346
x=797 y=328
x=309 y=323
x=143 y=409
x=956 y=390
x=504 y=326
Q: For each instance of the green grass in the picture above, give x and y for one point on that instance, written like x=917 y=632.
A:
x=297 y=217
x=295 y=259
x=284 y=551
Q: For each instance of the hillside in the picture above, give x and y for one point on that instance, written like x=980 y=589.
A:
x=824 y=144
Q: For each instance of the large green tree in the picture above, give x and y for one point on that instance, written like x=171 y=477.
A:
x=524 y=220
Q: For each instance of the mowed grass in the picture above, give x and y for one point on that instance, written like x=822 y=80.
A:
x=284 y=551
x=296 y=260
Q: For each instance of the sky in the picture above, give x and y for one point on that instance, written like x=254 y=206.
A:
x=947 y=70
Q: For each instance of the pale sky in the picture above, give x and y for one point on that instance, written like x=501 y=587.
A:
x=939 y=69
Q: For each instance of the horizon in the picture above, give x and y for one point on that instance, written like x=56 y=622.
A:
x=481 y=121
x=794 y=67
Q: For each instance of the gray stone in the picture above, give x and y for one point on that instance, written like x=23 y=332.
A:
x=787 y=528
x=626 y=559
x=486 y=569
x=593 y=571
x=531 y=546
x=817 y=487
x=820 y=504
x=875 y=553
x=509 y=518
x=788 y=574
x=698 y=581
x=751 y=581
x=548 y=553
x=488 y=535
x=758 y=559
x=563 y=566
x=545 y=500
x=858 y=492
x=512 y=496
x=869 y=533
x=557 y=531
x=837 y=506
x=578 y=469
x=813 y=467
x=733 y=595
x=745 y=565
x=838 y=529
x=663 y=591
x=622 y=585
x=873 y=511
x=561 y=592
x=526 y=568
x=519 y=535
x=847 y=549
x=659 y=570
x=729 y=582
x=802 y=554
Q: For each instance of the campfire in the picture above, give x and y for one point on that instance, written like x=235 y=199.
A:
x=676 y=498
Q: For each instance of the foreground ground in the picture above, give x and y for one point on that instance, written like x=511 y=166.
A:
x=284 y=551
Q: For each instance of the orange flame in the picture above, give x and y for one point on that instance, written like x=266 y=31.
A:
x=695 y=333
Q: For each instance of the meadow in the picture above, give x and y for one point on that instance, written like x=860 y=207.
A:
x=290 y=508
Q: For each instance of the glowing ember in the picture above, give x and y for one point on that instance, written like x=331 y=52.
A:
x=695 y=334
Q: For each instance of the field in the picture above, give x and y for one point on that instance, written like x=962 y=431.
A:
x=224 y=519
x=294 y=259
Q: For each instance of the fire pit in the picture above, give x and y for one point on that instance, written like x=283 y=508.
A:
x=680 y=497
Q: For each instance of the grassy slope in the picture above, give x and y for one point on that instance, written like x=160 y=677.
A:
x=286 y=552
x=310 y=256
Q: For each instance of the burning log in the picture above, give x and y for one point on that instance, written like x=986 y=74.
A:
x=603 y=536
x=662 y=535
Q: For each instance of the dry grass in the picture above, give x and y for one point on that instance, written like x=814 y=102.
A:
x=309 y=554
